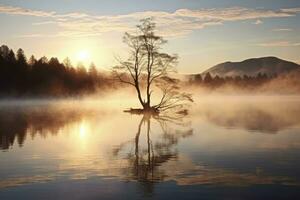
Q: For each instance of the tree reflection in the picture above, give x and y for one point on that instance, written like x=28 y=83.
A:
x=17 y=123
x=144 y=165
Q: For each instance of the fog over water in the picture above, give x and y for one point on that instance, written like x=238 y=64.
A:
x=225 y=144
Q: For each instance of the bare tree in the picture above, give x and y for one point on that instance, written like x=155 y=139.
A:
x=148 y=68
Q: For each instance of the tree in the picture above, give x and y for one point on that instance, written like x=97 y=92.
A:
x=148 y=68
x=67 y=62
x=32 y=60
x=217 y=81
x=208 y=79
x=11 y=58
x=81 y=68
x=43 y=60
x=21 y=58
x=93 y=70
x=4 y=51
x=198 y=78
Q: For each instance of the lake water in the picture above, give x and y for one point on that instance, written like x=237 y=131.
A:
x=226 y=148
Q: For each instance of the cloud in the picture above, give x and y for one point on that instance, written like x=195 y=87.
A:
x=22 y=11
x=282 y=29
x=258 y=22
x=234 y=13
x=291 y=10
x=279 y=44
x=172 y=24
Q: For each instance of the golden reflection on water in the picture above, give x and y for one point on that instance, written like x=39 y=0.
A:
x=91 y=141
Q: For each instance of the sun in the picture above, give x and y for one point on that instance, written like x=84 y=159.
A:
x=83 y=55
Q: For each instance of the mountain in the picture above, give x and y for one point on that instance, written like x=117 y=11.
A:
x=253 y=66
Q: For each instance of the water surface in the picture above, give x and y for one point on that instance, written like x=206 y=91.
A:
x=228 y=148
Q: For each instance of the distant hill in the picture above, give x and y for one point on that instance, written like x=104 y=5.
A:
x=253 y=66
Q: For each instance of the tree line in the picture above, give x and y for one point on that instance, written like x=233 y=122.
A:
x=209 y=81
x=20 y=76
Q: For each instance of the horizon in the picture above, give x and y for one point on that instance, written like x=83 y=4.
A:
x=88 y=65
x=203 y=33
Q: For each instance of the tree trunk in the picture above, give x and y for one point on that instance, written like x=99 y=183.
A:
x=137 y=87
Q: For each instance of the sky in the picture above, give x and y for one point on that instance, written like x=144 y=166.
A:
x=202 y=32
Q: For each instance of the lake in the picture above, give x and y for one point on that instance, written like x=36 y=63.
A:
x=226 y=148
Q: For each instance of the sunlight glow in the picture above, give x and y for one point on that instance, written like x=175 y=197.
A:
x=83 y=55
x=82 y=130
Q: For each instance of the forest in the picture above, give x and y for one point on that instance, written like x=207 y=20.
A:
x=207 y=80
x=20 y=76
x=286 y=83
